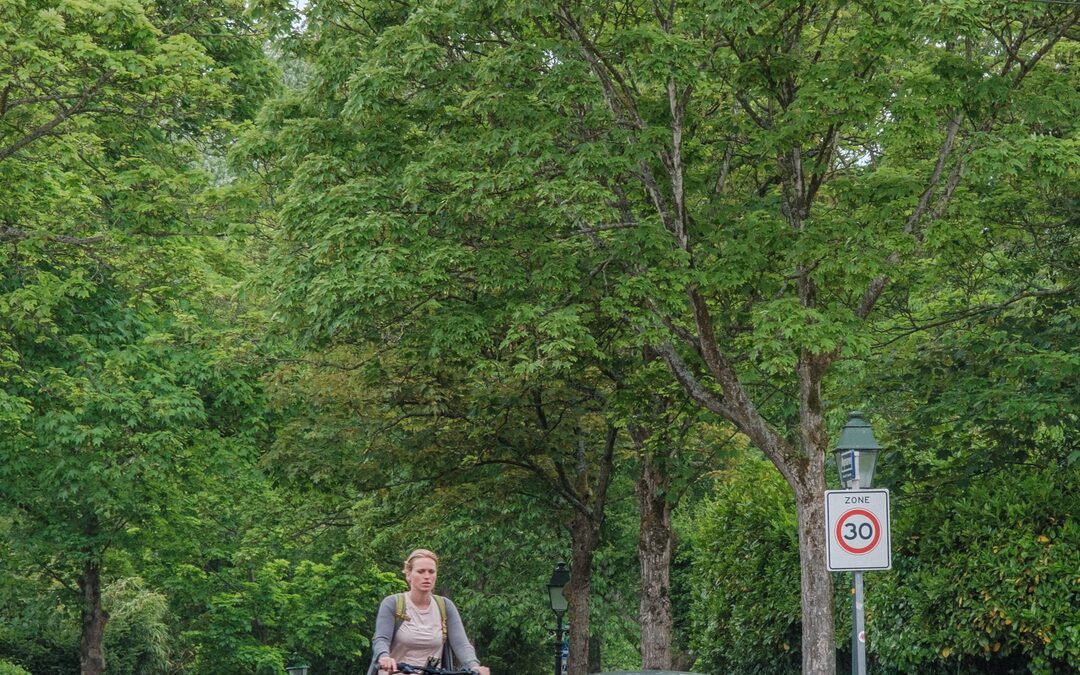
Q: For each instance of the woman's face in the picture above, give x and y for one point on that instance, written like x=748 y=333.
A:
x=422 y=575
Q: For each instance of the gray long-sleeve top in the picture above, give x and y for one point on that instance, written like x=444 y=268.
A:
x=385 y=628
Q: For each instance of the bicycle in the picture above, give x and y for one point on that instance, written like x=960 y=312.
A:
x=410 y=669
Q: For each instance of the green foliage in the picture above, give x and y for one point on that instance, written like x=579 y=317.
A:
x=40 y=630
x=314 y=610
x=256 y=573
x=454 y=195
x=138 y=638
x=490 y=200
x=473 y=240
x=984 y=577
x=8 y=668
x=113 y=286
x=615 y=589
x=743 y=551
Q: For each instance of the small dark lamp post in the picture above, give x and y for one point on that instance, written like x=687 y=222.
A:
x=559 y=578
x=856 y=453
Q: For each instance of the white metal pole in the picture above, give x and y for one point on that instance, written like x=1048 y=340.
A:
x=854 y=631
x=860 y=627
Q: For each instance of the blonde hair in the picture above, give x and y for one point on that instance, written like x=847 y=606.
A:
x=418 y=553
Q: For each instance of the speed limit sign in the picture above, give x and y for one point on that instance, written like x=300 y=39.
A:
x=857 y=529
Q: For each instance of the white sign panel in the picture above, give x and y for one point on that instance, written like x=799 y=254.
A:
x=857 y=530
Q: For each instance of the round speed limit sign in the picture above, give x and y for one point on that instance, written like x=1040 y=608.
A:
x=857 y=527
x=858 y=531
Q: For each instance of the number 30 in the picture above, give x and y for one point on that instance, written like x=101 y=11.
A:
x=864 y=531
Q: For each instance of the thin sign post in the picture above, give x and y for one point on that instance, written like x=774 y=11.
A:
x=858 y=531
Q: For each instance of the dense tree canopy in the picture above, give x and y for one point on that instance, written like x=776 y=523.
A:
x=707 y=173
x=286 y=291
x=113 y=388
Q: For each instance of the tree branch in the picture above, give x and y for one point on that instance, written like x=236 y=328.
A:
x=976 y=311
x=64 y=115
x=935 y=176
x=18 y=234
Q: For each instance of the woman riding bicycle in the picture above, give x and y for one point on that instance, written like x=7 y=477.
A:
x=419 y=627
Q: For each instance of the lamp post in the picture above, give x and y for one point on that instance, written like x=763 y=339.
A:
x=559 y=578
x=856 y=454
x=297 y=670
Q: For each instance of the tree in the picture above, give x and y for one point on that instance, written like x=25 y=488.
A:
x=443 y=361
x=102 y=104
x=723 y=162
x=676 y=445
x=399 y=422
x=976 y=383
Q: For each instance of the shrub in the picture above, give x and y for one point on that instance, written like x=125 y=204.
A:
x=987 y=577
x=8 y=668
x=137 y=636
x=743 y=547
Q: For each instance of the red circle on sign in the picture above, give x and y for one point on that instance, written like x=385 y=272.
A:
x=873 y=541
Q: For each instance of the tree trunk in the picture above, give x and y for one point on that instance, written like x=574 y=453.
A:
x=584 y=536
x=655 y=545
x=594 y=654
x=808 y=483
x=94 y=618
x=818 y=630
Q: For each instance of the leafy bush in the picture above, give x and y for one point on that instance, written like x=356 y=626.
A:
x=42 y=631
x=39 y=630
x=744 y=574
x=313 y=611
x=987 y=576
x=137 y=636
x=8 y=668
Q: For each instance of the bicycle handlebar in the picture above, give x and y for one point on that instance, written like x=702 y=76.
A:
x=410 y=669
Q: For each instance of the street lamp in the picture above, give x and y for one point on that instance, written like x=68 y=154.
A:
x=297 y=670
x=856 y=454
x=559 y=578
